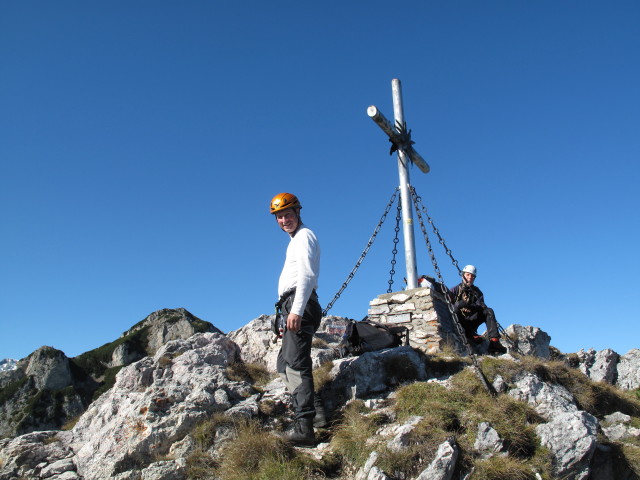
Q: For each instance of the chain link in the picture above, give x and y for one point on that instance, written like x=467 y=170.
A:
x=395 y=245
x=417 y=199
x=363 y=254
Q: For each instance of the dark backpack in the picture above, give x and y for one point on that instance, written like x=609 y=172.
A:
x=369 y=336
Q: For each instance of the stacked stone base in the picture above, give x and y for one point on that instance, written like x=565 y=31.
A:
x=425 y=314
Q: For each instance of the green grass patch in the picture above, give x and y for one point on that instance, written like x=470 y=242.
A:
x=322 y=375
x=254 y=373
x=502 y=468
x=352 y=432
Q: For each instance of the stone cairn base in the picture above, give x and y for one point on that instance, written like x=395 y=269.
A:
x=425 y=314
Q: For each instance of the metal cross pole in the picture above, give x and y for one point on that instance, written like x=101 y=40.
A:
x=401 y=140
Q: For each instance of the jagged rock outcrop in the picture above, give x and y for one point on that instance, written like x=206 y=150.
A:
x=47 y=389
x=443 y=466
x=169 y=324
x=529 y=340
x=599 y=366
x=628 y=370
x=39 y=394
x=607 y=366
x=49 y=368
x=256 y=340
x=570 y=434
x=372 y=373
x=153 y=405
x=141 y=428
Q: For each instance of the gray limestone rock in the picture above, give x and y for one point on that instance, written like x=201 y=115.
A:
x=488 y=442
x=28 y=455
x=402 y=433
x=372 y=373
x=571 y=438
x=615 y=427
x=168 y=470
x=256 y=341
x=529 y=340
x=49 y=368
x=599 y=366
x=363 y=472
x=604 y=367
x=548 y=400
x=629 y=370
x=170 y=324
x=154 y=403
x=443 y=466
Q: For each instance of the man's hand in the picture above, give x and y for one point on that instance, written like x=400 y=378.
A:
x=294 y=322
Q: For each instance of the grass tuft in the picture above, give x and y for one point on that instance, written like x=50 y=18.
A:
x=322 y=375
x=502 y=468
x=254 y=373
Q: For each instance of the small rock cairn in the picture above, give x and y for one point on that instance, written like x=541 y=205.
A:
x=423 y=311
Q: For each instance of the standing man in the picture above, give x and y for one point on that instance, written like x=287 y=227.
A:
x=469 y=306
x=299 y=305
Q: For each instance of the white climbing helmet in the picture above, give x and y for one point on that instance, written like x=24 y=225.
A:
x=470 y=269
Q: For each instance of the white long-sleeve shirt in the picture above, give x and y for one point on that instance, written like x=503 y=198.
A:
x=301 y=268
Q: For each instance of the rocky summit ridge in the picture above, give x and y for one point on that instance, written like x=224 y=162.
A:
x=175 y=398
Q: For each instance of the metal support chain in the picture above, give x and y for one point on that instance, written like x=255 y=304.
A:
x=395 y=246
x=456 y=323
x=418 y=201
x=364 y=253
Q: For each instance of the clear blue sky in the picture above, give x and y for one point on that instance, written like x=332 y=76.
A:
x=141 y=142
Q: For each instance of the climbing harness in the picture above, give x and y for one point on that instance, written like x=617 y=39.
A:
x=363 y=254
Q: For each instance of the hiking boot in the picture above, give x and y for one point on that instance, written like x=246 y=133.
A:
x=495 y=346
x=320 y=420
x=302 y=435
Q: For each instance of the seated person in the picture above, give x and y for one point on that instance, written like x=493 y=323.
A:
x=469 y=306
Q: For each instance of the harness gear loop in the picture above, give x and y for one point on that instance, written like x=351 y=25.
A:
x=395 y=245
x=363 y=254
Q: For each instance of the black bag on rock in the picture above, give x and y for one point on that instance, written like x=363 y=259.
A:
x=369 y=336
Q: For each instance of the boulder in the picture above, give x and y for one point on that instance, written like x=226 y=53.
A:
x=372 y=373
x=488 y=442
x=443 y=466
x=628 y=370
x=257 y=345
x=599 y=366
x=571 y=438
x=547 y=399
x=154 y=403
x=28 y=455
x=529 y=340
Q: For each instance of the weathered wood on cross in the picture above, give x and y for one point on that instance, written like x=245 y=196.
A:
x=400 y=137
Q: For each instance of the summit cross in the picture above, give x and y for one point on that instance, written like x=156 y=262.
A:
x=400 y=137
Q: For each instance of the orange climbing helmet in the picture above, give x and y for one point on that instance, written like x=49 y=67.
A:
x=282 y=201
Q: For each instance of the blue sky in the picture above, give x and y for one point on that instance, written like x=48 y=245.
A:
x=141 y=142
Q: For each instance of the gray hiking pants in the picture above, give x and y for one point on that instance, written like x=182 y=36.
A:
x=294 y=359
